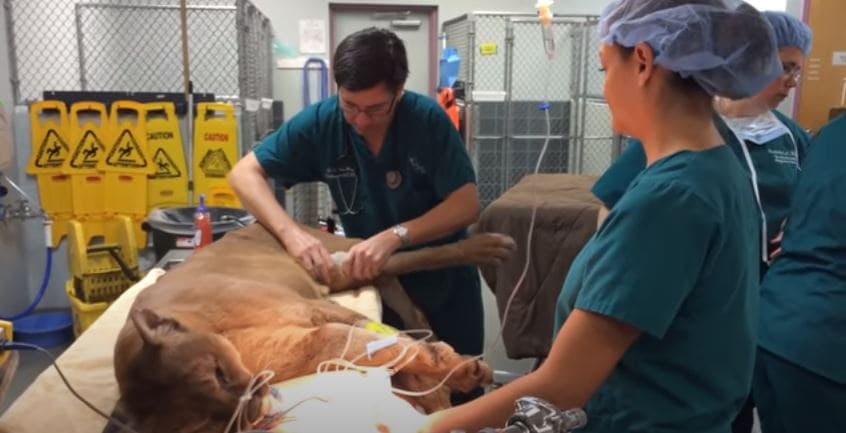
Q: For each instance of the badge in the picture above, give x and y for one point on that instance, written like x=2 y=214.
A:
x=393 y=178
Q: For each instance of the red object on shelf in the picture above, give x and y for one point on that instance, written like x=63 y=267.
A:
x=202 y=225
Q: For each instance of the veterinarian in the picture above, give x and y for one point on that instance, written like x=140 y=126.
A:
x=657 y=317
x=398 y=173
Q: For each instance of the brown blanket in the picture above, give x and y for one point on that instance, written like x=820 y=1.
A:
x=565 y=220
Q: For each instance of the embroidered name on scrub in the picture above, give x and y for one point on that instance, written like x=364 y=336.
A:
x=784 y=156
x=416 y=165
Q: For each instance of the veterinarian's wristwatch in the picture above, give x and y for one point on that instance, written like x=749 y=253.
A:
x=402 y=234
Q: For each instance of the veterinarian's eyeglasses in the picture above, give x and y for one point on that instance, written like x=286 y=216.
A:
x=373 y=111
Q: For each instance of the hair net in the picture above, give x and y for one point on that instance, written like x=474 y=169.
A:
x=726 y=46
x=790 y=31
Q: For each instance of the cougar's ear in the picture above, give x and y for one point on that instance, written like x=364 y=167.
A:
x=153 y=328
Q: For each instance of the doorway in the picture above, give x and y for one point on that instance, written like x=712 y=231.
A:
x=417 y=26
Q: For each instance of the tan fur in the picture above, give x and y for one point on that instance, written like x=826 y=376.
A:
x=243 y=305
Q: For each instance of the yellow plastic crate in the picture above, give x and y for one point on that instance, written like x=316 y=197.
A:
x=84 y=314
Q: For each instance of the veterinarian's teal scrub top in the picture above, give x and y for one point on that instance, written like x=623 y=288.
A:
x=776 y=165
x=426 y=151
x=677 y=258
x=803 y=296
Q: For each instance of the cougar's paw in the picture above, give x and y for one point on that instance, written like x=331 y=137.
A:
x=470 y=375
x=488 y=248
x=429 y=403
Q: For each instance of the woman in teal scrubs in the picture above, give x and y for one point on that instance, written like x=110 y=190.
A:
x=774 y=145
x=800 y=373
x=399 y=175
x=656 y=317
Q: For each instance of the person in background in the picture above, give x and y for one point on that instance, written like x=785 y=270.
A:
x=800 y=372
x=399 y=176
x=773 y=147
x=656 y=319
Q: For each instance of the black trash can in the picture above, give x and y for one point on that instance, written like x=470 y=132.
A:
x=174 y=227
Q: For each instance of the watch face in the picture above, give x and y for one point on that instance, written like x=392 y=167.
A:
x=402 y=232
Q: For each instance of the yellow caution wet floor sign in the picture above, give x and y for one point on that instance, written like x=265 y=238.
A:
x=88 y=124
x=50 y=128
x=127 y=163
x=215 y=152
x=167 y=186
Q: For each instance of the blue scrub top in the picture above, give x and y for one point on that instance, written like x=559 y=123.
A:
x=803 y=296
x=424 y=147
x=776 y=165
x=677 y=258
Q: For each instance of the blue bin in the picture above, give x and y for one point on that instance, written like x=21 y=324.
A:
x=45 y=329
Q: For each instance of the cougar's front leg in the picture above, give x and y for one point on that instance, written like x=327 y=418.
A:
x=395 y=297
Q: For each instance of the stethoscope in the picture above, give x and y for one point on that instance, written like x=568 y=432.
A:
x=753 y=174
x=346 y=166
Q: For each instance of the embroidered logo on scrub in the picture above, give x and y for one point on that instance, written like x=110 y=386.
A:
x=783 y=156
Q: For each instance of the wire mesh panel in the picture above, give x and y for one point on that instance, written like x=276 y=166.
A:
x=534 y=78
x=597 y=144
x=508 y=75
x=40 y=60
x=255 y=71
x=135 y=45
x=138 y=48
x=459 y=35
x=480 y=40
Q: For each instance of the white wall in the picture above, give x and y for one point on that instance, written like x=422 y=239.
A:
x=14 y=293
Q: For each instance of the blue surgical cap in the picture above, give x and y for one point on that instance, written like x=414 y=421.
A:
x=726 y=46
x=790 y=31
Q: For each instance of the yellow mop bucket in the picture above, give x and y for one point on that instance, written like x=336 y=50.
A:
x=50 y=135
x=127 y=163
x=88 y=124
x=215 y=152
x=168 y=185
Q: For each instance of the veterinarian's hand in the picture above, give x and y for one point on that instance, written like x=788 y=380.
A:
x=311 y=254
x=365 y=259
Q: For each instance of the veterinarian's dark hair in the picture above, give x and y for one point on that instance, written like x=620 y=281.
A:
x=369 y=57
